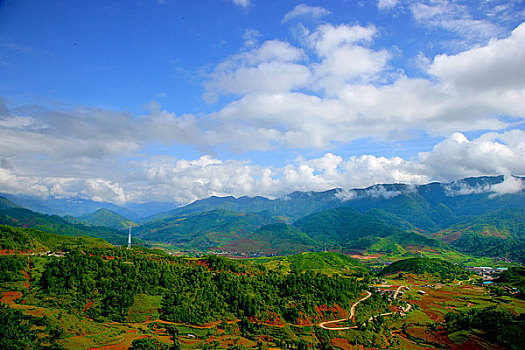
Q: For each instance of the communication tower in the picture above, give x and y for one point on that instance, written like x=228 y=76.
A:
x=129 y=238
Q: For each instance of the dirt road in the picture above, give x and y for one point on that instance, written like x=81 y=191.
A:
x=352 y=313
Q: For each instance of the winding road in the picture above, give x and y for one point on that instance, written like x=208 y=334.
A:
x=352 y=313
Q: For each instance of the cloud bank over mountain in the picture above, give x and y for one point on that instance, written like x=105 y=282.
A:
x=324 y=104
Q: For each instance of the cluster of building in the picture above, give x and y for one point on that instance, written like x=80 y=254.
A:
x=489 y=274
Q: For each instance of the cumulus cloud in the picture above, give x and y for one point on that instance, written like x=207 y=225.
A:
x=303 y=10
x=337 y=87
x=270 y=67
x=498 y=66
x=165 y=178
x=96 y=189
x=492 y=153
x=333 y=85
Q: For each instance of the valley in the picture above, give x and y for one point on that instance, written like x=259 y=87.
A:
x=315 y=272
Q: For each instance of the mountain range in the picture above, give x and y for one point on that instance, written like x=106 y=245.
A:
x=472 y=215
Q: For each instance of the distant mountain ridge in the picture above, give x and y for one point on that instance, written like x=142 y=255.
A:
x=76 y=207
x=426 y=208
x=467 y=215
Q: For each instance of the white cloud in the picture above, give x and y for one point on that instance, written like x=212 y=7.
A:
x=509 y=185
x=251 y=37
x=455 y=18
x=269 y=67
x=303 y=10
x=490 y=154
x=498 y=66
x=90 y=132
x=345 y=195
x=387 y=4
x=242 y=3
x=165 y=178
x=345 y=90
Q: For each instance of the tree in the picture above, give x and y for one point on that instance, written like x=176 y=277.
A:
x=148 y=344
x=15 y=332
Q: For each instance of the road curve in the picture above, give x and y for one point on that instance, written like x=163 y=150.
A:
x=352 y=313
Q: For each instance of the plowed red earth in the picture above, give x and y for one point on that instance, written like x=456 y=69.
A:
x=10 y=297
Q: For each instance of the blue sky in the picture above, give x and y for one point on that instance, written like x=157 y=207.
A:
x=133 y=101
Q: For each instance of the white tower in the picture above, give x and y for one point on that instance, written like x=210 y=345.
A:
x=129 y=238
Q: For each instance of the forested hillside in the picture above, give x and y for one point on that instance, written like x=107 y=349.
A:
x=193 y=291
x=209 y=229
x=32 y=240
x=107 y=218
x=14 y=215
x=438 y=267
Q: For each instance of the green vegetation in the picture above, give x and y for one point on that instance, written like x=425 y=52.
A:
x=19 y=331
x=204 y=230
x=275 y=238
x=482 y=246
x=148 y=344
x=27 y=239
x=500 y=326
x=340 y=225
x=107 y=218
x=438 y=267
x=319 y=262
x=13 y=215
x=504 y=223
x=194 y=291
x=10 y=268
x=514 y=277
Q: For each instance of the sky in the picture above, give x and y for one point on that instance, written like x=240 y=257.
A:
x=175 y=100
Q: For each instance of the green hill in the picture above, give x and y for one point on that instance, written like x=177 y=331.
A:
x=274 y=238
x=435 y=266
x=7 y=204
x=13 y=215
x=107 y=218
x=504 y=223
x=321 y=262
x=27 y=239
x=205 y=230
x=341 y=225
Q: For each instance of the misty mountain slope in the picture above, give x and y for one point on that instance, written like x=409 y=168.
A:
x=78 y=207
x=6 y=204
x=292 y=206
